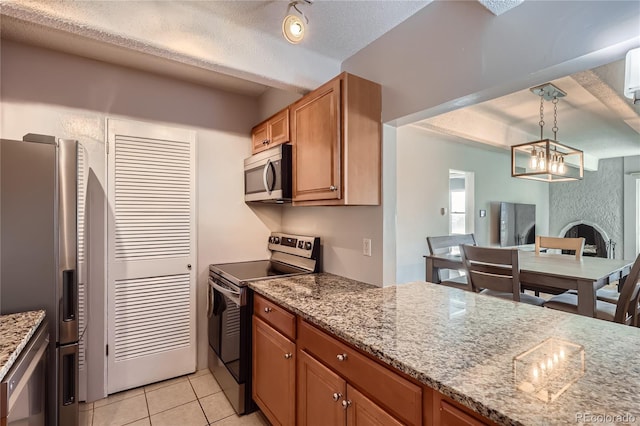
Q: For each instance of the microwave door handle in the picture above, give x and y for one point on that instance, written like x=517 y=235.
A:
x=268 y=167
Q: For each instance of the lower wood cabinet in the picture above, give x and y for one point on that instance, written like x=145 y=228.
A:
x=362 y=411
x=326 y=399
x=274 y=368
x=320 y=393
x=440 y=410
x=305 y=376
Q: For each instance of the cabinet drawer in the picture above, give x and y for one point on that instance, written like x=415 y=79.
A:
x=397 y=395
x=279 y=318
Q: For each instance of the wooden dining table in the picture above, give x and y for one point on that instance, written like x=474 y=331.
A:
x=562 y=272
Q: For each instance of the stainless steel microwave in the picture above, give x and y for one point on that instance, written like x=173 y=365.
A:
x=267 y=176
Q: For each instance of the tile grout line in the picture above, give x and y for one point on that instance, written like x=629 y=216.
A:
x=198 y=399
x=146 y=402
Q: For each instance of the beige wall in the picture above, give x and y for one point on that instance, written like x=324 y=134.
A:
x=341 y=230
x=53 y=93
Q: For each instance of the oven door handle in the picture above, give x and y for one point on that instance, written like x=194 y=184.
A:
x=210 y=301
x=233 y=295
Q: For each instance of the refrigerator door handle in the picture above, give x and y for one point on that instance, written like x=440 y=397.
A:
x=68 y=385
x=69 y=295
x=68 y=314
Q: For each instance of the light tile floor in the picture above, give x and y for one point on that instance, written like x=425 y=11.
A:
x=192 y=400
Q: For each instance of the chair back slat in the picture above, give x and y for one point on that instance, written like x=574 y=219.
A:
x=492 y=281
x=442 y=244
x=627 y=306
x=575 y=244
x=492 y=268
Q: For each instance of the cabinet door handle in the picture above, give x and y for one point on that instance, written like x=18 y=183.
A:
x=341 y=357
x=346 y=403
x=333 y=188
x=267 y=310
x=336 y=396
x=287 y=356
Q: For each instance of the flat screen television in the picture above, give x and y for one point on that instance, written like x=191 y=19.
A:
x=517 y=224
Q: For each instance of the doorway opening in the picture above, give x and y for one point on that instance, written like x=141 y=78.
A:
x=461 y=202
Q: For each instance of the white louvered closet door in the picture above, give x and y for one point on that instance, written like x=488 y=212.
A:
x=151 y=253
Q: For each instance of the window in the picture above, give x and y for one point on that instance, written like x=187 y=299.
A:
x=461 y=202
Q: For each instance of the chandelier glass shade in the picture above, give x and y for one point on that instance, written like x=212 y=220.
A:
x=547 y=160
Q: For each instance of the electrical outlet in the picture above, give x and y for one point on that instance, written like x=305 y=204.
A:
x=366 y=246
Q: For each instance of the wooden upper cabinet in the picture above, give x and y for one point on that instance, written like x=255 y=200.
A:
x=271 y=132
x=336 y=138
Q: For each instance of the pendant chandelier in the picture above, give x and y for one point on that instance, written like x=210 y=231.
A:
x=547 y=160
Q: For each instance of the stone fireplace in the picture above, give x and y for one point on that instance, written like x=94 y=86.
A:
x=597 y=242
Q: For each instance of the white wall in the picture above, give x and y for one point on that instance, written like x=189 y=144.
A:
x=423 y=163
x=456 y=53
x=53 y=93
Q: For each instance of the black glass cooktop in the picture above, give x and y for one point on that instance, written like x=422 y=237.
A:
x=255 y=270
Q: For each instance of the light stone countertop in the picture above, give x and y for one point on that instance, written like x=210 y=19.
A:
x=15 y=332
x=464 y=344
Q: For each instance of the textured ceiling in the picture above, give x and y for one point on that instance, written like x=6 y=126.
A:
x=594 y=116
x=233 y=38
x=237 y=45
x=498 y=7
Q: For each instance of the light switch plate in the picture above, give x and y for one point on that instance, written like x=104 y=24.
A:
x=366 y=246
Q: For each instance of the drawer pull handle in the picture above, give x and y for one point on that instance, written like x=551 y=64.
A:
x=287 y=356
x=336 y=396
x=341 y=357
x=267 y=309
x=346 y=403
x=333 y=188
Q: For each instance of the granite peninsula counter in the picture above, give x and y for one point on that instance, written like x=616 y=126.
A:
x=463 y=345
x=15 y=332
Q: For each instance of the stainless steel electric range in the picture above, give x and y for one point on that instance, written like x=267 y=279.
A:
x=230 y=306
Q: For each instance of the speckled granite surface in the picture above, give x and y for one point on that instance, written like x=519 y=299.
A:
x=463 y=344
x=15 y=332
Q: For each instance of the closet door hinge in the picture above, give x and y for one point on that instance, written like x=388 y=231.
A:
x=107 y=350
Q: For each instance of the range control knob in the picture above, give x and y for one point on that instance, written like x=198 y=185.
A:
x=276 y=240
x=300 y=244
x=307 y=245
x=270 y=240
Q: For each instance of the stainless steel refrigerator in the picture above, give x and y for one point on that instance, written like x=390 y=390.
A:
x=38 y=254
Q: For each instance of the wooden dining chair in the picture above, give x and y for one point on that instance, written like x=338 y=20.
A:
x=574 y=244
x=625 y=311
x=542 y=242
x=495 y=272
x=445 y=244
